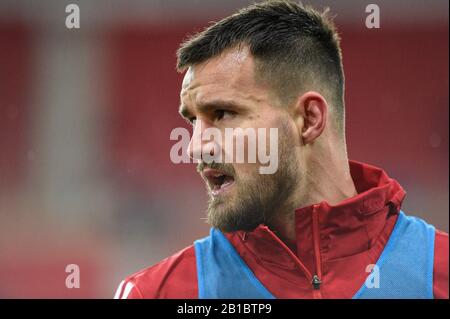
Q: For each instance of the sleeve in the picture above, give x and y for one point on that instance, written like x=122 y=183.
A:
x=440 y=274
x=173 y=277
x=127 y=290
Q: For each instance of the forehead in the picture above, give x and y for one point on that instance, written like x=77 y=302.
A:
x=229 y=75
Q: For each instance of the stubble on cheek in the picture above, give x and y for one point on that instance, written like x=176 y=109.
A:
x=255 y=197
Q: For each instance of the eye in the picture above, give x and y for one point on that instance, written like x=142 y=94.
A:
x=192 y=119
x=223 y=114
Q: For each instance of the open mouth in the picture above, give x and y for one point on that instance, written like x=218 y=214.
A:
x=218 y=181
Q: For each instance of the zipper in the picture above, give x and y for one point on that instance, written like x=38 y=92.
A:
x=316 y=278
x=297 y=261
x=316 y=281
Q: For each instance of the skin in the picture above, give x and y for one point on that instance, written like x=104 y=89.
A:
x=316 y=149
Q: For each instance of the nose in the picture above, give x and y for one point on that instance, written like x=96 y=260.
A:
x=203 y=143
x=195 y=146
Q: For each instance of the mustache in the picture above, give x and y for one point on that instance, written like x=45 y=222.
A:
x=226 y=168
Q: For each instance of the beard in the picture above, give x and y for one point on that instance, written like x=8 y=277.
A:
x=255 y=199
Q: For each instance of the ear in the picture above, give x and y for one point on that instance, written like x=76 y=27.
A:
x=313 y=109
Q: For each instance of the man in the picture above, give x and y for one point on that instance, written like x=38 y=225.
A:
x=321 y=226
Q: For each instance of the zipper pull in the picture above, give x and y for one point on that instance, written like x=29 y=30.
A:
x=316 y=282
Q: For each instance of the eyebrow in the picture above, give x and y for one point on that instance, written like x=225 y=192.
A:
x=204 y=107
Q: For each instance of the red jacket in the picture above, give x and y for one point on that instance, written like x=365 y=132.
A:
x=336 y=242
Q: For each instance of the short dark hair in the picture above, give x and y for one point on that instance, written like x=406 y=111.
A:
x=295 y=48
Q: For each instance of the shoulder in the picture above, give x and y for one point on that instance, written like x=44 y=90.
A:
x=172 y=277
x=440 y=274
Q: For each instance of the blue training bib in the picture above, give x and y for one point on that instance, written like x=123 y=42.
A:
x=405 y=267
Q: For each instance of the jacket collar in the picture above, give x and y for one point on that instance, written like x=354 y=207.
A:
x=354 y=224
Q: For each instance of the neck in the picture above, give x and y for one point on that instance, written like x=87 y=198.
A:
x=326 y=179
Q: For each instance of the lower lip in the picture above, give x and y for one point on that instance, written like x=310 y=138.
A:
x=222 y=189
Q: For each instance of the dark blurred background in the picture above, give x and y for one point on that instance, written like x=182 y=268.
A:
x=85 y=118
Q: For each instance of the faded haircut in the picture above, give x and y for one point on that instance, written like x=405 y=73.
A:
x=296 y=48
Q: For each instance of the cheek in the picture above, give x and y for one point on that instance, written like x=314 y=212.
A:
x=254 y=144
x=279 y=136
x=246 y=172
